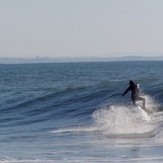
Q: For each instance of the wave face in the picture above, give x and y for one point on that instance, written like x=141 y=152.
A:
x=47 y=110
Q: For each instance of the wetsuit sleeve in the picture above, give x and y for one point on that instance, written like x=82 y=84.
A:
x=126 y=91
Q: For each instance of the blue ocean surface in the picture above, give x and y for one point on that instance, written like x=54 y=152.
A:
x=74 y=113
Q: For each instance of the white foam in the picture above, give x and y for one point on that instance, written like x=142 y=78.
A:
x=75 y=129
x=28 y=161
x=121 y=120
x=151 y=105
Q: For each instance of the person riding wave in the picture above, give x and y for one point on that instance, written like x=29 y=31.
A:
x=134 y=88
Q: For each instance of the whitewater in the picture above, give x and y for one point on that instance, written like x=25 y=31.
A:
x=74 y=112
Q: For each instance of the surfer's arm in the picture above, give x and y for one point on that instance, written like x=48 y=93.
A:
x=126 y=91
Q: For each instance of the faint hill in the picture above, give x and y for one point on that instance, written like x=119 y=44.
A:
x=140 y=58
x=76 y=59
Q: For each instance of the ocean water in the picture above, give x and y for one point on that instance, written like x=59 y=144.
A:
x=74 y=113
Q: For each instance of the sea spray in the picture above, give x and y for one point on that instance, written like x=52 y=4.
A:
x=151 y=105
x=118 y=120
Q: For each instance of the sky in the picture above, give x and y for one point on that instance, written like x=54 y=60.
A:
x=80 y=28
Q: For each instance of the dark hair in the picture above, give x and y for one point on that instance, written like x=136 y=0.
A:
x=131 y=82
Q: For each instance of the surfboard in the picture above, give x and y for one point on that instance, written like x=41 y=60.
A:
x=144 y=114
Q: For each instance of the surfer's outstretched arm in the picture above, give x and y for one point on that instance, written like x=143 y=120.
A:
x=126 y=91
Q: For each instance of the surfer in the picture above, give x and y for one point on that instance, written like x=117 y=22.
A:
x=134 y=88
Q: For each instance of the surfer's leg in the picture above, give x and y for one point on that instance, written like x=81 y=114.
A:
x=143 y=100
x=134 y=101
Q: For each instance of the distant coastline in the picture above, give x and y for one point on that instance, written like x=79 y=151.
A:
x=6 y=60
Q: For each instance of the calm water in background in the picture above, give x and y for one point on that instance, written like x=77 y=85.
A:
x=74 y=112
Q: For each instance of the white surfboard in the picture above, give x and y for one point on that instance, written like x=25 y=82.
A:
x=144 y=114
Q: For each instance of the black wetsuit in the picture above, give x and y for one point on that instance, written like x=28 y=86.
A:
x=134 y=93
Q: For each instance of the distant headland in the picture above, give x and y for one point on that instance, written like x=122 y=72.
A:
x=6 y=60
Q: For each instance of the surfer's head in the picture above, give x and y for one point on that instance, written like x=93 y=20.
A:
x=131 y=82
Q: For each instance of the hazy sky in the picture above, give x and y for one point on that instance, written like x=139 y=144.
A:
x=61 y=28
